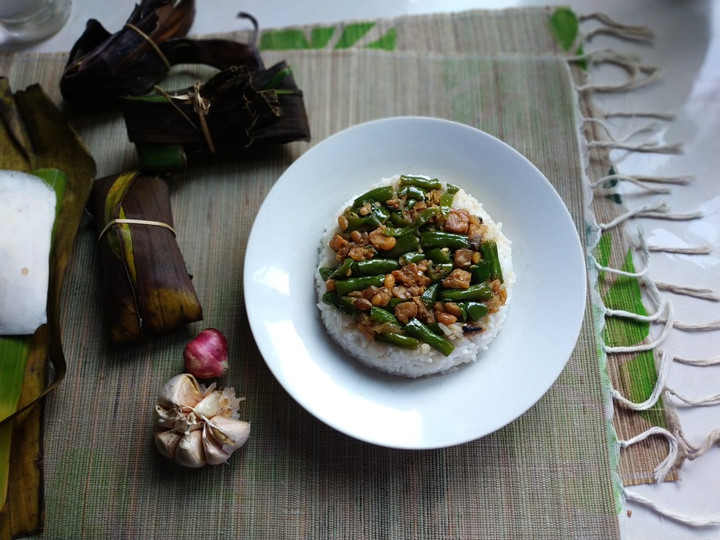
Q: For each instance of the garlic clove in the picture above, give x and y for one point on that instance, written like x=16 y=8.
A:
x=209 y=406
x=231 y=433
x=166 y=418
x=190 y=451
x=228 y=403
x=181 y=390
x=214 y=452
x=166 y=442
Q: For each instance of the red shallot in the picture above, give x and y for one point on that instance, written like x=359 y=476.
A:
x=206 y=356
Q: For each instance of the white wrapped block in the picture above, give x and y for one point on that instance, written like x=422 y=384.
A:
x=27 y=215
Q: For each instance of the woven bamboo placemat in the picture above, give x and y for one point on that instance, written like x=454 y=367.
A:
x=549 y=474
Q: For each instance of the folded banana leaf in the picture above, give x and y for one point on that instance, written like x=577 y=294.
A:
x=35 y=135
x=234 y=110
x=104 y=65
x=147 y=288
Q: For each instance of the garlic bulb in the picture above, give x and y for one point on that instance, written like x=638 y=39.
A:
x=195 y=425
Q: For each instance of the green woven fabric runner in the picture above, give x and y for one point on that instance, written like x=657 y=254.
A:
x=549 y=474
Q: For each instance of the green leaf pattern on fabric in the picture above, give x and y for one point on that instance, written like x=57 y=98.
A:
x=565 y=27
x=321 y=37
x=638 y=374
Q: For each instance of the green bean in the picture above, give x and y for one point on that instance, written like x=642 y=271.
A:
x=361 y=223
x=475 y=310
x=440 y=255
x=380 y=315
x=326 y=272
x=419 y=181
x=398 y=231
x=439 y=271
x=404 y=244
x=379 y=194
x=481 y=271
x=425 y=215
x=446 y=198
x=412 y=192
x=345 y=286
x=474 y=293
x=399 y=340
x=397 y=219
x=411 y=257
x=370 y=267
x=380 y=212
x=344 y=270
x=418 y=330
x=429 y=296
x=490 y=253
x=342 y=303
x=431 y=239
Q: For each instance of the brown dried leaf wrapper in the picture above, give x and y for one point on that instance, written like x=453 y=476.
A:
x=232 y=111
x=147 y=288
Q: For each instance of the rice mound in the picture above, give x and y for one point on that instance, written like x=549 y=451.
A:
x=424 y=360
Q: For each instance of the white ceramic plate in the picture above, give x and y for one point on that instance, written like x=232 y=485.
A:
x=544 y=316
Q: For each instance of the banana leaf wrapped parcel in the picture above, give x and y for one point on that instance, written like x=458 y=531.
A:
x=103 y=65
x=235 y=109
x=146 y=286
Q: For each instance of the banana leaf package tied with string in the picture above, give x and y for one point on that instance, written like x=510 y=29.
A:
x=103 y=66
x=35 y=138
x=147 y=288
x=235 y=109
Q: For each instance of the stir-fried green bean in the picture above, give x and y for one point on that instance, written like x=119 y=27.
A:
x=379 y=194
x=412 y=192
x=404 y=244
x=430 y=295
x=420 y=181
x=481 y=271
x=370 y=267
x=489 y=252
x=361 y=223
x=418 y=330
x=399 y=340
x=342 y=303
x=439 y=255
x=475 y=310
x=425 y=216
x=433 y=239
x=344 y=270
x=411 y=257
x=439 y=271
x=446 y=199
x=380 y=315
x=345 y=286
x=475 y=293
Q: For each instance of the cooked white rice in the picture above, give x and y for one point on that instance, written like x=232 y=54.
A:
x=424 y=360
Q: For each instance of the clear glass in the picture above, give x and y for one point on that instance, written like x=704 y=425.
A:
x=23 y=22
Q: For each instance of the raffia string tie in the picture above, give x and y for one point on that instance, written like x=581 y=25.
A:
x=120 y=221
x=201 y=106
x=147 y=38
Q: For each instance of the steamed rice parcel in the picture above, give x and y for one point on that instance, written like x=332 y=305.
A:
x=415 y=278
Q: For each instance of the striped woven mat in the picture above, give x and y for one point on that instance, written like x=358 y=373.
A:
x=552 y=473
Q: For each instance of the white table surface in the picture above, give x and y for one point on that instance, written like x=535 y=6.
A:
x=687 y=49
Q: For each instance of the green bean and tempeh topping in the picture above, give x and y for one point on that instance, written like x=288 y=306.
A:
x=408 y=264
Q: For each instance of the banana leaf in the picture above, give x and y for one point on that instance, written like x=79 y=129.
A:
x=147 y=288
x=233 y=110
x=35 y=135
x=103 y=65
